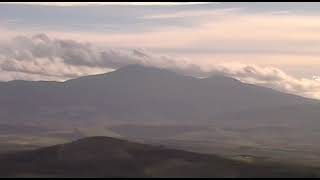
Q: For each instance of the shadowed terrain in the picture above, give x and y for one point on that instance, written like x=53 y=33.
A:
x=109 y=157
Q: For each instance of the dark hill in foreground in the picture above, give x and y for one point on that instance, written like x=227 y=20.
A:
x=109 y=157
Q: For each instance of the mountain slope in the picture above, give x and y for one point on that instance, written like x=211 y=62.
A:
x=108 y=157
x=137 y=94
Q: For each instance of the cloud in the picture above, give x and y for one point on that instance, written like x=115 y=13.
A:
x=193 y=14
x=107 y=3
x=272 y=77
x=64 y=59
x=317 y=78
x=222 y=29
x=40 y=50
x=40 y=57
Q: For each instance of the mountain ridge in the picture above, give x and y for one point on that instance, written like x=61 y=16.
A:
x=137 y=93
x=134 y=68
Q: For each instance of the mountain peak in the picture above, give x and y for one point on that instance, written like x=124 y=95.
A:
x=219 y=77
x=98 y=140
x=223 y=81
x=136 y=68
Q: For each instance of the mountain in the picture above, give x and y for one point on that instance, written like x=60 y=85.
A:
x=218 y=114
x=142 y=94
x=109 y=157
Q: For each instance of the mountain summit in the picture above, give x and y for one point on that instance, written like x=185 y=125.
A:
x=138 y=94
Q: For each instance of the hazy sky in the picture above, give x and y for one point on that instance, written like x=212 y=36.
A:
x=274 y=44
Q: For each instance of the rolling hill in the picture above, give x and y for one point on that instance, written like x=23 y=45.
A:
x=109 y=157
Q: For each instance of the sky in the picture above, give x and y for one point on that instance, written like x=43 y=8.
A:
x=271 y=44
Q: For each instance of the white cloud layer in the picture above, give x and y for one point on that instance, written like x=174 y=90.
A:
x=106 y=3
x=43 y=58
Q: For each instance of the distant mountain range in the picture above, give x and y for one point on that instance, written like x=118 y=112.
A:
x=216 y=115
x=146 y=94
x=109 y=157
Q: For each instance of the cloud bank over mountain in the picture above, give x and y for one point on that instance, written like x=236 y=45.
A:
x=40 y=57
